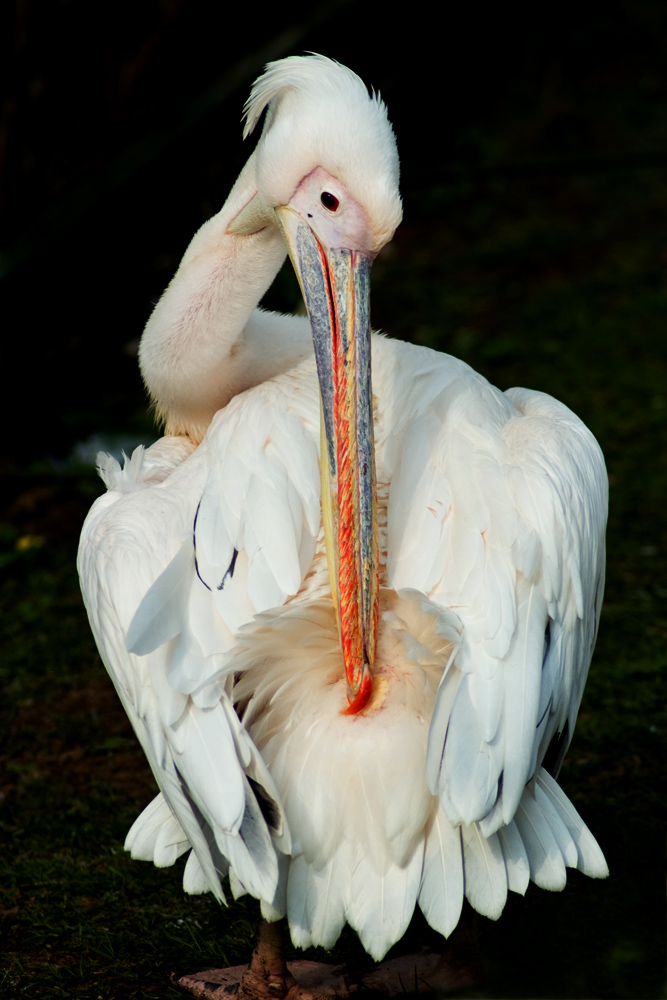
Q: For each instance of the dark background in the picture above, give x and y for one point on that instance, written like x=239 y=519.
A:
x=534 y=154
x=121 y=134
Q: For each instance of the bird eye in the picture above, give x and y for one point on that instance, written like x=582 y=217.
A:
x=329 y=200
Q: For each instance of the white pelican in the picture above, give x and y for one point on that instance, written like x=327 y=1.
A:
x=345 y=678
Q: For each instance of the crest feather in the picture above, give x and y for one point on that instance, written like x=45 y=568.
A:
x=321 y=114
x=300 y=73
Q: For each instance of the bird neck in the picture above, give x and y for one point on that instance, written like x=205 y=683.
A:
x=199 y=349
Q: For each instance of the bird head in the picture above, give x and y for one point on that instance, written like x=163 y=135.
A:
x=321 y=117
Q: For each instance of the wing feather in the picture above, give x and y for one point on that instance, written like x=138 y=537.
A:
x=164 y=611
x=520 y=490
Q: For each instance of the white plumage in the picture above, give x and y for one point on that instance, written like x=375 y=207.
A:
x=205 y=577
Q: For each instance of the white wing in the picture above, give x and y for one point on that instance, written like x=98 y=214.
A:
x=497 y=510
x=175 y=558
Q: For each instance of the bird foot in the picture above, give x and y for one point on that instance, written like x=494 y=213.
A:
x=449 y=965
x=269 y=976
x=420 y=972
x=303 y=981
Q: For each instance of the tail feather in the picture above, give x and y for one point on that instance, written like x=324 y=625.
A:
x=566 y=844
x=546 y=836
x=516 y=859
x=317 y=899
x=349 y=888
x=485 y=871
x=547 y=868
x=195 y=878
x=381 y=904
x=156 y=835
x=332 y=892
x=590 y=859
x=441 y=889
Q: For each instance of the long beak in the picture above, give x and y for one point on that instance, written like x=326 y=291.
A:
x=336 y=288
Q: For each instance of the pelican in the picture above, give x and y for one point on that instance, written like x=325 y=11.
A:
x=347 y=619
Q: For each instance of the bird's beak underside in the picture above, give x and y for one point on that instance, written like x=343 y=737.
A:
x=336 y=288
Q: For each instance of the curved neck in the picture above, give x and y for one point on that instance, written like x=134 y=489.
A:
x=198 y=349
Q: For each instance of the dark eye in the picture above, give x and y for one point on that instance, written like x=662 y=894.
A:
x=329 y=200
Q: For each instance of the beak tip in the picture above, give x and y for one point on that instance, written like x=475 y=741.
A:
x=363 y=695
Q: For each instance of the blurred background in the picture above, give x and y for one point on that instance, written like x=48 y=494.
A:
x=534 y=246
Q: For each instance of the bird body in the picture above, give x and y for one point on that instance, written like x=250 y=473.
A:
x=207 y=574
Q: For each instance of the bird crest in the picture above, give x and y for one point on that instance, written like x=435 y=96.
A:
x=321 y=114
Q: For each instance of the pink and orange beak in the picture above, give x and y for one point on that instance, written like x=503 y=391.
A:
x=335 y=282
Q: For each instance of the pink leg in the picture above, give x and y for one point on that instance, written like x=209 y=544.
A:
x=267 y=974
